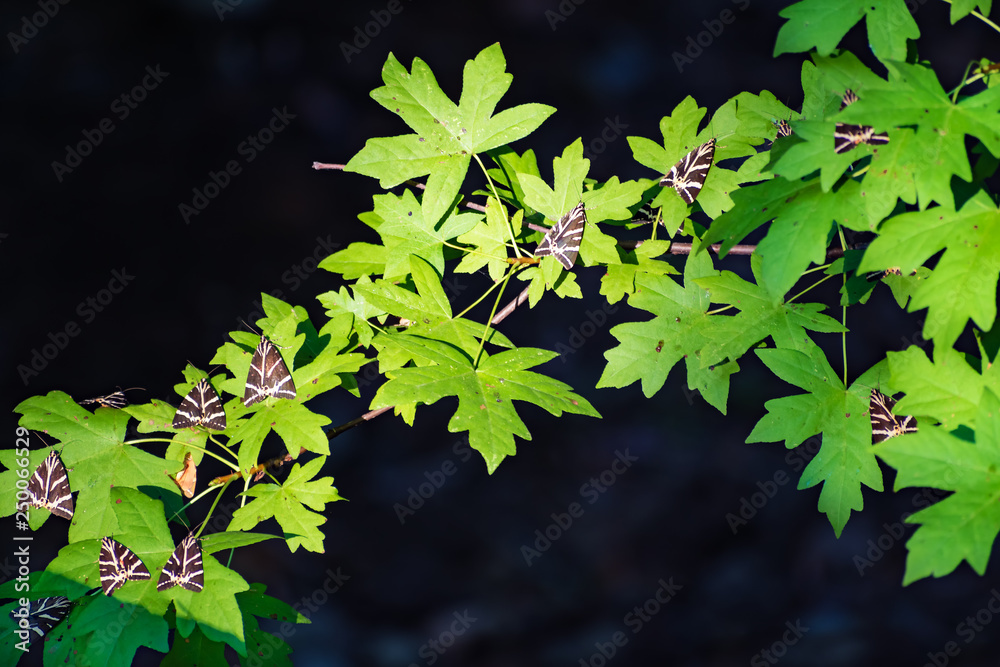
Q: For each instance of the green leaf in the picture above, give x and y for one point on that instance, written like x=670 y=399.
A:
x=968 y=268
x=407 y=232
x=356 y=260
x=964 y=525
x=814 y=23
x=489 y=241
x=914 y=96
x=255 y=603
x=845 y=460
x=96 y=459
x=647 y=351
x=446 y=133
x=287 y=504
x=620 y=278
x=485 y=394
x=947 y=390
x=762 y=313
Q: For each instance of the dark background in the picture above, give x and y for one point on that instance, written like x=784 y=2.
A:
x=665 y=517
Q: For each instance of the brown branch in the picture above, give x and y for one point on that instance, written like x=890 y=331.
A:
x=339 y=167
x=260 y=469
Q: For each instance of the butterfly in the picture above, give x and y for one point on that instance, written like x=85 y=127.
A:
x=645 y=214
x=188 y=477
x=878 y=275
x=885 y=424
x=184 y=568
x=119 y=564
x=201 y=407
x=41 y=615
x=562 y=240
x=115 y=400
x=846 y=137
x=688 y=175
x=784 y=129
x=268 y=375
x=49 y=487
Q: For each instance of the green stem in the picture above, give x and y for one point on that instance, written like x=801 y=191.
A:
x=981 y=18
x=813 y=286
x=485 y=294
x=489 y=322
x=843 y=306
x=204 y=450
x=503 y=209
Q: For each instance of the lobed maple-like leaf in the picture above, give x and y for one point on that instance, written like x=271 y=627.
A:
x=822 y=25
x=647 y=351
x=446 y=134
x=486 y=393
x=963 y=285
x=288 y=502
x=964 y=525
x=845 y=460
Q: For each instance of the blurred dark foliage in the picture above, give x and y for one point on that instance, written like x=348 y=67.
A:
x=663 y=518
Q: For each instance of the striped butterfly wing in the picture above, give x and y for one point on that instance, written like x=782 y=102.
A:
x=846 y=136
x=42 y=615
x=48 y=487
x=689 y=174
x=201 y=407
x=784 y=129
x=885 y=424
x=563 y=239
x=119 y=564
x=268 y=375
x=187 y=478
x=184 y=568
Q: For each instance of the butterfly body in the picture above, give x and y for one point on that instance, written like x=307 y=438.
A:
x=562 y=241
x=119 y=564
x=268 y=375
x=846 y=137
x=48 y=487
x=688 y=176
x=184 y=568
x=201 y=407
x=885 y=424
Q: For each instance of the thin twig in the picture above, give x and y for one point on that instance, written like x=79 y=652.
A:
x=510 y=307
x=278 y=461
x=339 y=167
